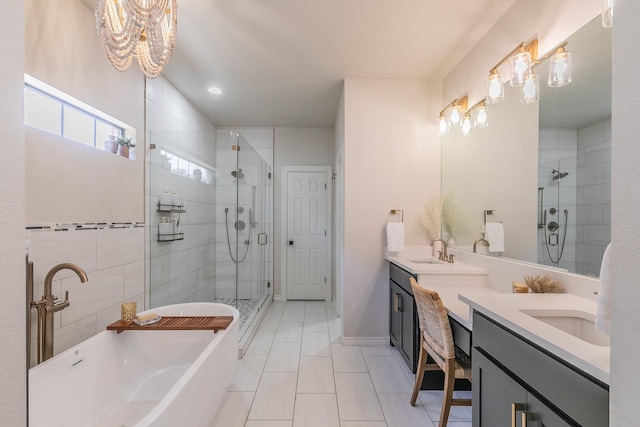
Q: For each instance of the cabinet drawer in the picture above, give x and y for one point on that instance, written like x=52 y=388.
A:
x=581 y=398
x=461 y=336
x=401 y=277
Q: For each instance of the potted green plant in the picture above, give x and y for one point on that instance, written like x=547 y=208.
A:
x=124 y=143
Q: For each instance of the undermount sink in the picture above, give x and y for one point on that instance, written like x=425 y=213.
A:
x=425 y=261
x=580 y=324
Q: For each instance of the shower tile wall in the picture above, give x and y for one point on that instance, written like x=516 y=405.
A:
x=183 y=270
x=113 y=259
x=252 y=272
x=558 y=150
x=586 y=192
x=593 y=196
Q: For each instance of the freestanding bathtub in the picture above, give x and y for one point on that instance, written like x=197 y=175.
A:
x=139 y=378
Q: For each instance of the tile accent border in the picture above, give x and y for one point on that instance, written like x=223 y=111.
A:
x=81 y=226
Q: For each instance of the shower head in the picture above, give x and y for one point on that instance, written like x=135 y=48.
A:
x=557 y=175
x=237 y=174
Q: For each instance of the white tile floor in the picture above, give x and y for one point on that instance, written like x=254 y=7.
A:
x=296 y=373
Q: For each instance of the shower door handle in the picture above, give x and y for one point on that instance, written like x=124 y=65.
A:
x=262 y=242
x=290 y=242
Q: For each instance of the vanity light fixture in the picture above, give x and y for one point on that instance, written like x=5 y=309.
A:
x=466 y=124
x=443 y=124
x=607 y=13
x=481 y=116
x=560 y=67
x=456 y=110
x=531 y=89
x=495 y=87
x=520 y=67
x=520 y=59
x=144 y=29
x=451 y=115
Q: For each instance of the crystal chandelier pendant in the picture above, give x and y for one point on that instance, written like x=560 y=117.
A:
x=145 y=29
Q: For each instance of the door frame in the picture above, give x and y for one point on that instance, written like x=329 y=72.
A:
x=284 y=194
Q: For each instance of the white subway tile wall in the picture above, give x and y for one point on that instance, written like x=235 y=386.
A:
x=586 y=155
x=114 y=262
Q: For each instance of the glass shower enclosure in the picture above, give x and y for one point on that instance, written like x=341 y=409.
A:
x=210 y=221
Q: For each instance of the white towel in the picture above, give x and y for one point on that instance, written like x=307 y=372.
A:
x=603 y=315
x=494 y=232
x=395 y=236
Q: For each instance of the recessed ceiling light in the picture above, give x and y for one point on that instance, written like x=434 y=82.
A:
x=215 y=90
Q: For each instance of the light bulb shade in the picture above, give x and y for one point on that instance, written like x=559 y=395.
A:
x=466 y=124
x=495 y=87
x=144 y=29
x=607 y=13
x=520 y=68
x=481 y=117
x=455 y=116
x=531 y=89
x=560 y=68
x=443 y=125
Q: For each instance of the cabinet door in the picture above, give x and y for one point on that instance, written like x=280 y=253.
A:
x=395 y=316
x=497 y=399
x=407 y=303
x=540 y=415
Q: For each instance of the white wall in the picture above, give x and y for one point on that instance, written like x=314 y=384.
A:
x=13 y=397
x=64 y=51
x=392 y=161
x=337 y=279
x=295 y=147
x=625 y=205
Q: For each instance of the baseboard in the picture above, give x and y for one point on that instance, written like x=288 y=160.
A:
x=365 y=340
x=279 y=298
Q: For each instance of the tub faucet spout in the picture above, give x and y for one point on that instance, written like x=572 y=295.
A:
x=47 y=306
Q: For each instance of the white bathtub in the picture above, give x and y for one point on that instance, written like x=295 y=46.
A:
x=138 y=378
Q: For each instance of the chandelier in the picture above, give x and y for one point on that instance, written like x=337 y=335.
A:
x=145 y=29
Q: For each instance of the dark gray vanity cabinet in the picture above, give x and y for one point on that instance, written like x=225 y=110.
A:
x=517 y=383
x=404 y=329
x=402 y=315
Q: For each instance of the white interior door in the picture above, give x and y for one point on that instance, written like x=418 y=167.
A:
x=307 y=240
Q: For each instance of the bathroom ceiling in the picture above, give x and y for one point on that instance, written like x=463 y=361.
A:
x=282 y=62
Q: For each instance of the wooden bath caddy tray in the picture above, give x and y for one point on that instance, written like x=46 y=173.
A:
x=175 y=323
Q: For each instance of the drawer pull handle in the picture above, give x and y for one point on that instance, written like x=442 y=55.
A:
x=515 y=408
x=396 y=303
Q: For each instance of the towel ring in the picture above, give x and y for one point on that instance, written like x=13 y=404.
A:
x=395 y=212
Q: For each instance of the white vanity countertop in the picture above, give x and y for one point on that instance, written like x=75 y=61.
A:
x=505 y=309
x=429 y=265
x=456 y=308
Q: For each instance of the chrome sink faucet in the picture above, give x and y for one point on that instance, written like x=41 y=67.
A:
x=47 y=306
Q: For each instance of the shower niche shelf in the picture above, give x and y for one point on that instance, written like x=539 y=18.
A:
x=170 y=209
x=171 y=237
x=179 y=208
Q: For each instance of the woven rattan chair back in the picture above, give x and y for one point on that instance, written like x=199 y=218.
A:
x=434 y=323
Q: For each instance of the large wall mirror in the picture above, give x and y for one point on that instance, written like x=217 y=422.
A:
x=542 y=169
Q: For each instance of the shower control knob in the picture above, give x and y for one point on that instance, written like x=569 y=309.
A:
x=553 y=211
